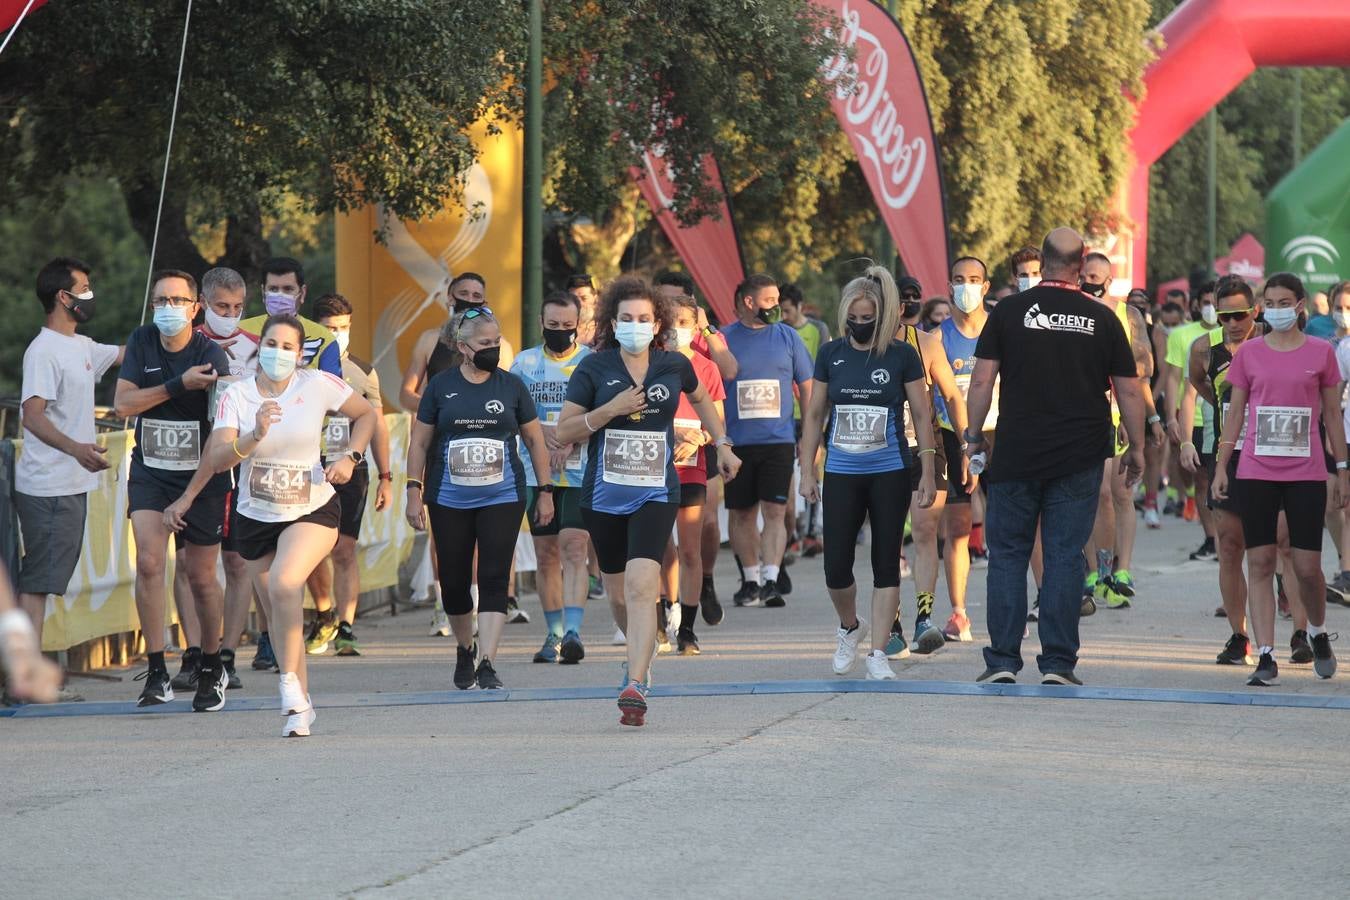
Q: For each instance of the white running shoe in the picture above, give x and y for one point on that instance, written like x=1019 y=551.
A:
x=878 y=669
x=846 y=654
x=440 y=622
x=673 y=619
x=618 y=640
x=296 y=707
x=1151 y=518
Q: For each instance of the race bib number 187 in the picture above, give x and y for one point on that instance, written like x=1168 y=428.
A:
x=859 y=428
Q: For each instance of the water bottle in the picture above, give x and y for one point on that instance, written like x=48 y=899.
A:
x=977 y=462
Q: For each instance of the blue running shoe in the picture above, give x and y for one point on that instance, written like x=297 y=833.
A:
x=549 y=652
x=927 y=637
x=896 y=645
x=572 y=650
x=264 y=658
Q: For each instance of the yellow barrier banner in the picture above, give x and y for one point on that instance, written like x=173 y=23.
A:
x=100 y=600
x=400 y=287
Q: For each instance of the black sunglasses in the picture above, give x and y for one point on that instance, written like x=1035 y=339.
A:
x=1237 y=315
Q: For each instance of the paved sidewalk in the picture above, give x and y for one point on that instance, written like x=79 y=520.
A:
x=782 y=795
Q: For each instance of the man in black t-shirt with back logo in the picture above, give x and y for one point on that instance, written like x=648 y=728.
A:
x=1056 y=352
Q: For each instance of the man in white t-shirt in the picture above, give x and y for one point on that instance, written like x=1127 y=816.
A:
x=60 y=463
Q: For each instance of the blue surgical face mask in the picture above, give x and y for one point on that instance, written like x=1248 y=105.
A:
x=1283 y=318
x=966 y=296
x=170 y=320
x=1027 y=282
x=633 y=336
x=277 y=364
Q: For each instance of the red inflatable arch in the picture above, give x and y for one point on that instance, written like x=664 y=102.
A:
x=1210 y=46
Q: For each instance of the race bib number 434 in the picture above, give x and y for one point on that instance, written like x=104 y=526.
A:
x=281 y=488
x=635 y=458
x=759 y=398
x=1284 y=431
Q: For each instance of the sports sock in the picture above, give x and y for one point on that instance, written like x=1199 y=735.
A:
x=1190 y=492
x=770 y=573
x=687 y=615
x=553 y=618
x=345 y=627
x=211 y=660
x=157 y=661
x=977 y=537
x=750 y=574
x=857 y=623
x=1315 y=630
x=1264 y=650
x=924 y=602
x=1151 y=499
x=572 y=618
x=327 y=615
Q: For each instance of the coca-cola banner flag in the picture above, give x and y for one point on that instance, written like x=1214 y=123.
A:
x=880 y=103
x=710 y=248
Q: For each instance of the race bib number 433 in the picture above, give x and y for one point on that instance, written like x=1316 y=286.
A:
x=171 y=445
x=635 y=458
x=759 y=398
x=1284 y=431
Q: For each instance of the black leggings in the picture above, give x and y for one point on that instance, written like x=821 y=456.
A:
x=492 y=530
x=849 y=499
x=642 y=534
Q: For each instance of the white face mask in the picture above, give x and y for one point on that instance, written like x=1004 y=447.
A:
x=1027 y=282
x=633 y=336
x=224 y=326
x=1282 y=319
x=1342 y=317
x=966 y=297
x=343 y=338
x=684 y=337
x=1209 y=314
x=276 y=363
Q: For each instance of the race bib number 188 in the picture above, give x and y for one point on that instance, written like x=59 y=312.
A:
x=474 y=462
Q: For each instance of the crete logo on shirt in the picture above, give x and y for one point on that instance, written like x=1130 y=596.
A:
x=494 y=406
x=881 y=376
x=658 y=393
x=1039 y=321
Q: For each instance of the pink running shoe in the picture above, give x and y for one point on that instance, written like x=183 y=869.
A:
x=957 y=627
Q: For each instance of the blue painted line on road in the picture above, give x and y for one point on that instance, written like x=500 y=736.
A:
x=1255 y=697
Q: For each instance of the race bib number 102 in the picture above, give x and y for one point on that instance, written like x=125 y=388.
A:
x=171 y=445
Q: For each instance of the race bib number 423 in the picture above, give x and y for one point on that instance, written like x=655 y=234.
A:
x=635 y=458
x=1284 y=431
x=759 y=398
x=171 y=445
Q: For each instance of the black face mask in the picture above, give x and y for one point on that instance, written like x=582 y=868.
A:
x=82 y=310
x=862 y=331
x=1095 y=290
x=486 y=360
x=911 y=309
x=769 y=316
x=559 y=340
x=462 y=305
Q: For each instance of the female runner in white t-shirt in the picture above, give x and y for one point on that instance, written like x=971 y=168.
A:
x=288 y=510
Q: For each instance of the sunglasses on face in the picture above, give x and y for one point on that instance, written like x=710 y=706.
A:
x=1237 y=315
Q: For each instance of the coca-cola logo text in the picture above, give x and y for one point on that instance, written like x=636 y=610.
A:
x=863 y=100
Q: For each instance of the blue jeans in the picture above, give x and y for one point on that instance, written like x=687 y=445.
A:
x=1065 y=508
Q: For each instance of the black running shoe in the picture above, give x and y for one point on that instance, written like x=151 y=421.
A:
x=572 y=651
x=1060 y=678
x=1300 y=651
x=1088 y=607
x=748 y=595
x=1206 y=551
x=186 y=679
x=211 y=687
x=264 y=658
x=1237 y=652
x=227 y=660
x=487 y=677
x=1324 y=661
x=1267 y=672
x=158 y=687
x=993 y=675
x=464 y=662
x=687 y=643
x=708 y=602
x=770 y=596
x=784 y=581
